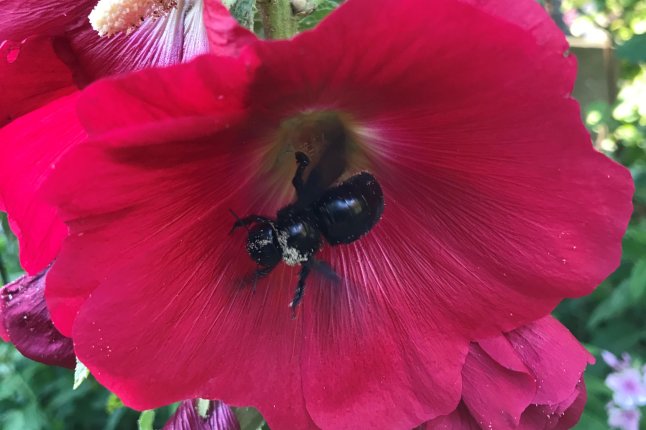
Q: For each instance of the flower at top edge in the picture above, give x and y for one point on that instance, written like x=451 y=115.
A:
x=624 y=419
x=496 y=207
x=50 y=48
x=163 y=36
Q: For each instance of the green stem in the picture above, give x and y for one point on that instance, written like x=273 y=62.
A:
x=4 y=275
x=278 y=21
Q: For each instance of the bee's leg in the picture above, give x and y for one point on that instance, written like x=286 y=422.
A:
x=243 y=222
x=300 y=287
x=303 y=161
x=260 y=272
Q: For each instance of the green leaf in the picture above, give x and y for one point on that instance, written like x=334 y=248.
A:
x=637 y=281
x=634 y=49
x=635 y=241
x=249 y=418
x=611 y=307
x=590 y=422
x=323 y=8
x=202 y=407
x=596 y=386
x=146 y=419
x=619 y=334
x=14 y=420
x=113 y=403
x=80 y=374
x=243 y=11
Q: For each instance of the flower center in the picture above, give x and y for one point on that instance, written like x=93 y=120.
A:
x=327 y=137
x=630 y=386
x=110 y=17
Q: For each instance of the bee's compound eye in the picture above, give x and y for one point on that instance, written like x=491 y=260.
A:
x=302 y=159
x=262 y=245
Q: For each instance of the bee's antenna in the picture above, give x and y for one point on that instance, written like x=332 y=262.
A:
x=238 y=223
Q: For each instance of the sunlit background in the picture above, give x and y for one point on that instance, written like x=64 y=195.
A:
x=609 y=39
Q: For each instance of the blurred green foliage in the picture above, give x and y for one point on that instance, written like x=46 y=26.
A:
x=33 y=396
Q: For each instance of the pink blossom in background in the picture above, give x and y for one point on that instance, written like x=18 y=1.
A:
x=624 y=419
x=617 y=363
x=628 y=386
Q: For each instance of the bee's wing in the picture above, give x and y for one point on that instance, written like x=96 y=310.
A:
x=325 y=270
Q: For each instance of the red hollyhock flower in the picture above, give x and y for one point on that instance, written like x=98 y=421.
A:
x=50 y=48
x=530 y=378
x=25 y=321
x=218 y=417
x=497 y=207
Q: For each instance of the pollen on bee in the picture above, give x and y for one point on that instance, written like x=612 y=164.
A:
x=110 y=17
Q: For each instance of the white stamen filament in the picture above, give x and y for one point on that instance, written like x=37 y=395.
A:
x=110 y=17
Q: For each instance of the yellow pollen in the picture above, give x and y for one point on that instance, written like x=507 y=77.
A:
x=110 y=17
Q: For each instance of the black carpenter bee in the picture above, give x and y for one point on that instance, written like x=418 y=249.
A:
x=340 y=214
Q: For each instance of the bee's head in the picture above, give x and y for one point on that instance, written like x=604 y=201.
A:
x=262 y=244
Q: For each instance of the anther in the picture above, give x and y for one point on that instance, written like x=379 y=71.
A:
x=110 y=17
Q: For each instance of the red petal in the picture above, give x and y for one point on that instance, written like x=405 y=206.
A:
x=206 y=88
x=225 y=35
x=30 y=147
x=31 y=75
x=499 y=391
x=558 y=417
x=29 y=326
x=4 y=335
x=364 y=365
x=20 y=19
x=127 y=105
x=508 y=215
x=502 y=351
x=495 y=396
x=460 y=419
x=552 y=354
x=218 y=417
